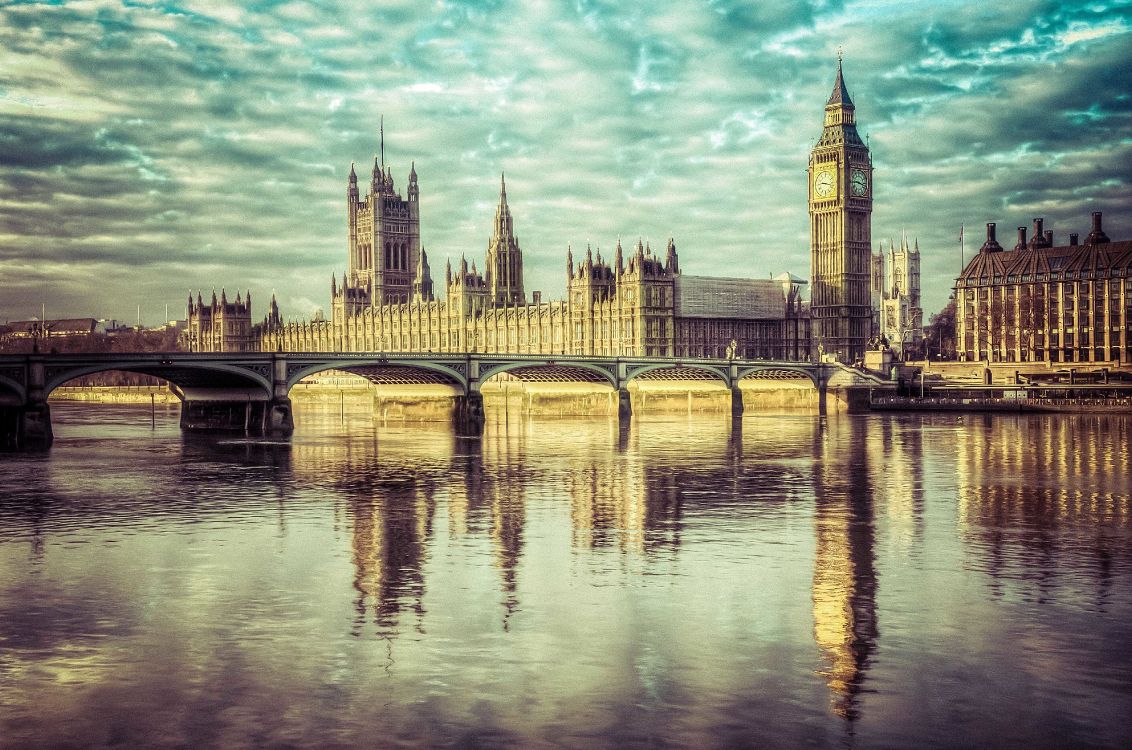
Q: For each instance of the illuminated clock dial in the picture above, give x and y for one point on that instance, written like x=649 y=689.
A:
x=859 y=182
x=824 y=184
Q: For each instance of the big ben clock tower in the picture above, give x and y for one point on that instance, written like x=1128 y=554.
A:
x=841 y=207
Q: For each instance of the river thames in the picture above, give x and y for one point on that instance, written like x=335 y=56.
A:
x=946 y=580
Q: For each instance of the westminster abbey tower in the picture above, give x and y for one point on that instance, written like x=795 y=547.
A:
x=841 y=206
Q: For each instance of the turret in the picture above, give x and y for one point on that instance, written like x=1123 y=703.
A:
x=422 y=282
x=448 y=274
x=569 y=262
x=671 y=262
x=618 y=259
x=414 y=191
x=352 y=189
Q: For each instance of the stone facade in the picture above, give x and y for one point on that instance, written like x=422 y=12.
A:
x=632 y=305
x=898 y=317
x=841 y=205
x=1044 y=303
x=223 y=326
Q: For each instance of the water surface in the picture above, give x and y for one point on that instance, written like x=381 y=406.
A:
x=872 y=581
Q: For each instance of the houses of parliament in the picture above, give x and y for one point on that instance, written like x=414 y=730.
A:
x=639 y=302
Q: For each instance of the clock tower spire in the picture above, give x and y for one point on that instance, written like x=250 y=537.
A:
x=841 y=207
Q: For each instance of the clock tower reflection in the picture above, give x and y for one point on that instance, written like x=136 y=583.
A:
x=845 y=580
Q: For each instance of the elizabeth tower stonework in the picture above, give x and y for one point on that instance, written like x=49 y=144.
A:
x=841 y=206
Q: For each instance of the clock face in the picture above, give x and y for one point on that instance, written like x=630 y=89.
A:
x=859 y=182
x=824 y=184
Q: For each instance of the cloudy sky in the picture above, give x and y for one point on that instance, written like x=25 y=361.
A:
x=150 y=148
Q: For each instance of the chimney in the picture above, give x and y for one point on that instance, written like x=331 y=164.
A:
x=1038 y=233
x=1021 y=239
x=1097 y=236
x=991 y=245
x=1073 y=239
x=1049 y=238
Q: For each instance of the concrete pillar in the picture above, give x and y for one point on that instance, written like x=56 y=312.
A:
x=26 y=427
x=279 y=420
x=736 y=401
x=624 y=404
x=468 y=416
x=33 y=423
x=852 y=399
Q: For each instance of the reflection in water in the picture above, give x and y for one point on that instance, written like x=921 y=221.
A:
x=687 y=582
x=1024 y=521
x=845 y=579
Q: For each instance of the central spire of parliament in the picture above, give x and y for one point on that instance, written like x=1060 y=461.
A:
x=504 y=269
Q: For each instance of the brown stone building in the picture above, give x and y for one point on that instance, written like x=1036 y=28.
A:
x=638 y=304
x=1043 y=303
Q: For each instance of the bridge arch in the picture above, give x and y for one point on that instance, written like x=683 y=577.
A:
x=682 y=368
x=600 y=374
x=13 y=386
x=184 y=374
x=442 y=372
x=780 y=372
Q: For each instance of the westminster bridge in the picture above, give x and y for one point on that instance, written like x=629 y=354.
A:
x=250 y=391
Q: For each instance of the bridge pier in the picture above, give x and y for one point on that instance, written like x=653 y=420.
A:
x=736 y=401
x=27 y=426
x=468 y=416
x=850 y=399
x=624 y=406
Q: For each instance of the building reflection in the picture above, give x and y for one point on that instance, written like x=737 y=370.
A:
x=388 y=502
x=502 y=488
x=1021 y=520
x=845 y=579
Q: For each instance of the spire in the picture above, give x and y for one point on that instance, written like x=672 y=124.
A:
x=569 y=262
x=353 y=175
x=840 y=95
x=618 y=259
x=414 y=191
x=448 y=274
x=671 y=261
x=503 y=225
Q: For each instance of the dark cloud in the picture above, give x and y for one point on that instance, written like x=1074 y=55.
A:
x=147 y=148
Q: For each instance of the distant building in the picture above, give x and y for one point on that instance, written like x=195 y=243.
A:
x=1044 y=303
x=22 y=329
x=897 y=315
